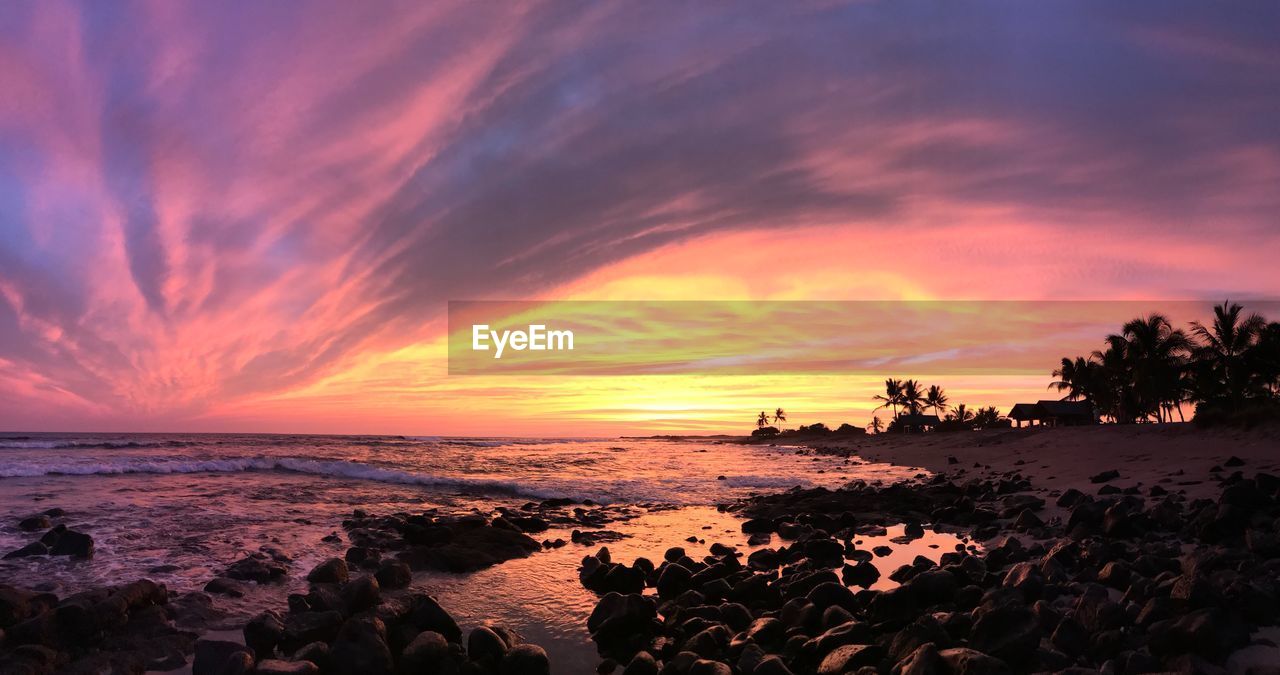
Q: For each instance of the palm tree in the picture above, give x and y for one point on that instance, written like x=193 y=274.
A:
x=1076 y=377
x=1157 y=354
x=1264 y=359
x=1222 y=374
x=876 y=425
x=1112 y=384
x=986 y=417
x=961 y=414
x=763 y=420
x=779 y=415
x=912 y=397
x=892 y=396
x=936 y=399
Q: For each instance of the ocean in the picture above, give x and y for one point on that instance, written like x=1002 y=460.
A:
x=178 y=508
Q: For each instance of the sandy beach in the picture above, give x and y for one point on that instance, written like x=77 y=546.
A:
x=1180 y=457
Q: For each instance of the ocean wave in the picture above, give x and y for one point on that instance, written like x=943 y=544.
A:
x=27 y=443
x=316 y=467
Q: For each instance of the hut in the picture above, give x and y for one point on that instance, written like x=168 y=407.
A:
x=1054 y=413
x=915 y=422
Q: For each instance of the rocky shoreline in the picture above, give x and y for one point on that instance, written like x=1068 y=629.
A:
x=1122 y=578
x=1134 y=579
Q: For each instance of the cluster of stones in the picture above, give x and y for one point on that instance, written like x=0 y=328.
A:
x=130 y=628
x=345 y=623
x=1123 y=582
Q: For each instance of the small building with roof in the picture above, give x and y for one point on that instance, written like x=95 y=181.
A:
x=1054 y=413
x=915 y=422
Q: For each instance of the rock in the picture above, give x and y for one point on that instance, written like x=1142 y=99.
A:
x=1007 y=632
x=931 y=587
x=1209 y=632
x=34 y=523
x=360 y=594
x=393 y=574
x=862 y=574
x=923 y=661
x=315 y=652
x=1026 y=578
x=257 y=567
x=225 y=586
x=1233 y=462
x=428 y=652
x=277 y=667
x=1114 y=574
x=849 y=658
x=641 y=664
x=427 y=614
x=525 y=659
x=963 y=661
x=333 y=570
x=74 y=544
x=1027 y=520
x=705 y=667
x=484 y=644
x=618 y=620
x=263 y=632
x=1072 y=497
x=34 y=548
x=673 y=580
x=1105 y=476
x=219 y=657
x=771 y=665
x=361 y=647
x=306 y=627
x=1070 y=637
x=830 y=593
x=470 y=547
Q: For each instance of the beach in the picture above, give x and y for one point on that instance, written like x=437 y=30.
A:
x=357 y=547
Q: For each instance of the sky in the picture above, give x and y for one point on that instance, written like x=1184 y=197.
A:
x=251 y=216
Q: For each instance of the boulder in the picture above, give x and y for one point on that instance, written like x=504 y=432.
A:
x=360 y=594
x=849 y=658
x=263 y=632
x=220 y=657
x=74 y=544
x=224 y=586
x=1008 y=632
x=332 y=571
x=257 y=567
x=964 y=661
x=427 y=614
x=361 y=647
x=525 y=659
x=34 y=523
x=428 y=652
x=278 y=667
x=393 y=574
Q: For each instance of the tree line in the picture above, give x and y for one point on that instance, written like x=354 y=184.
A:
x=1148 y=370
x=909 y=396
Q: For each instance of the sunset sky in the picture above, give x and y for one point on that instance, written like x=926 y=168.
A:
x=251 y=216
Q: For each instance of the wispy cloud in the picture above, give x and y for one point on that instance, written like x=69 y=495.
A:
x=206 y=206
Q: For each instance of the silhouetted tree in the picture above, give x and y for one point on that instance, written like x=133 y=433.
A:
x=779 y=415
x=936 y=399
x=912 y=397
x=891 y=397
